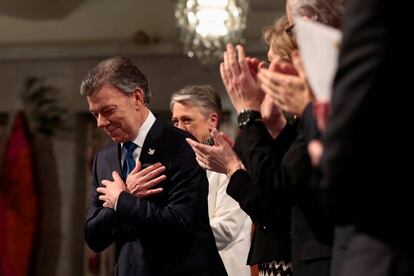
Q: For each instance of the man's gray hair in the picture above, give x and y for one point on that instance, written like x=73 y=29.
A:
x=328 y=12
x=203 y=96
x=119 y=72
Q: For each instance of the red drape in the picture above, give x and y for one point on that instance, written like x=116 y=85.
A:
x=18 y=202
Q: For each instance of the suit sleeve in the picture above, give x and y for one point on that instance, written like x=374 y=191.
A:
x=228 y=219
x=187 y=188
x=276 y=168
x=259 y=191
x=100 y=221
x=263 y=155
x=254 y=201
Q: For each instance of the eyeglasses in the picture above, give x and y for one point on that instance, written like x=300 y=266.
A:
x=291 y=30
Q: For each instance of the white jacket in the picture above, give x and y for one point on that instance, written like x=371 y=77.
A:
x=231 y=226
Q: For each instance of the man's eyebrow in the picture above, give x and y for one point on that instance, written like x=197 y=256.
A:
x=93 y=111
x=100 y=109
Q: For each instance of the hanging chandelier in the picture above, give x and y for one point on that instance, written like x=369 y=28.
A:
x=206 y=26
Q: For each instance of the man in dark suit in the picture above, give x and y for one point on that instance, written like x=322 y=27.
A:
x=161 y=230
x=366 y=144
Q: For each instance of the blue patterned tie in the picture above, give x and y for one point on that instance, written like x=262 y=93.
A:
x=129 y=162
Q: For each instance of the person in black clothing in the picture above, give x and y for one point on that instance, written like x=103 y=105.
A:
x=363 y=162
x=273 y=189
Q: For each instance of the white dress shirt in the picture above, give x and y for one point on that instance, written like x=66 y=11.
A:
x=139 y=140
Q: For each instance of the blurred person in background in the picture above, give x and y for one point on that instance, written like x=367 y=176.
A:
x=364 y=149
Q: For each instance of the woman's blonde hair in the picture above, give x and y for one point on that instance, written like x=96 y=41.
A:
x=278 y=39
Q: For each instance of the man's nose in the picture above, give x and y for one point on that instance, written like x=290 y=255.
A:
x=101 y=121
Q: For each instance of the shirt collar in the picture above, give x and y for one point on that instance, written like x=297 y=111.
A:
x=144 y=129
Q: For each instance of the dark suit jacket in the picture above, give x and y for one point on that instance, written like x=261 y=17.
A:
x=366 y=143
x=282 y=199
x=167 y=234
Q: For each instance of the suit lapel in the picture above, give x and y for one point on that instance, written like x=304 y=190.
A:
x=114 y=164
x=151 y=149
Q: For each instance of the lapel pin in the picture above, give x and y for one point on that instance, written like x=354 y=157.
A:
x=151 y=151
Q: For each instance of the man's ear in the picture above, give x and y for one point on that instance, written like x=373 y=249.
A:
x=213 y=123
x=139 y=97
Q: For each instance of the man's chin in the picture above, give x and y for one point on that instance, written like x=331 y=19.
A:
x=113 y=136
x=117 y=136
x=117 y=139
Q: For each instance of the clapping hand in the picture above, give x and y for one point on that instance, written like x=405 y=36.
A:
x=220 y=157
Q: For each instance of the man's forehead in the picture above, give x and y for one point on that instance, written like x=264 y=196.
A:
x=105 y=95
x=103 y=106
